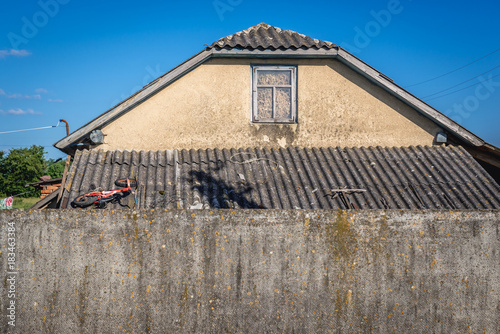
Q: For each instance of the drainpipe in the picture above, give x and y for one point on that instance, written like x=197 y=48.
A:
x=67 y=126
x=65 y=174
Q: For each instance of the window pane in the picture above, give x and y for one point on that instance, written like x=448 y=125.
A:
x=274 y=78
x=283 y=103
x=264 y=103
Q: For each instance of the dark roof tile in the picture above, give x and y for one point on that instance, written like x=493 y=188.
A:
x=263 y=36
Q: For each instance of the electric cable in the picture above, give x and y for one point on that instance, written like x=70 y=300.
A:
x=444 y=90
x=27 y=145
x=43 y=127
x=458 y=90
x=442 y=75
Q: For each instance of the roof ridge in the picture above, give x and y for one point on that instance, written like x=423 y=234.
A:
x=261 y=36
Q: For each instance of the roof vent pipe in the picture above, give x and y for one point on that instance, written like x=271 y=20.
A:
x=67 y=126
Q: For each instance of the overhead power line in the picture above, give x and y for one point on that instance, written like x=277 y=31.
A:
x=458 y=90
x=48 y=145
x=444 y=90
x=43 y=127
x=26 y=192
x=442 y=75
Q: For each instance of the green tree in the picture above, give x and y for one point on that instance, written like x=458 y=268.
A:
x=2 y=175
x=55 y=168
x=19 y=167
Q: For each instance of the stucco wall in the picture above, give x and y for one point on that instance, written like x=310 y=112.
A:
x=211 y=107
x=262 y=271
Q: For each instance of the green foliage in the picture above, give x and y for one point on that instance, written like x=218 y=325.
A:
x=20 y=167
x=55 y=169
x=2 y=175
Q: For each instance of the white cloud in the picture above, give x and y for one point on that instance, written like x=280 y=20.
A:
x=19 y=53
x=55 y=100
x=17 y=112
x=41 y=91
x=25 y=97
x=20 y=111
x=2 y=92
x=14 y=53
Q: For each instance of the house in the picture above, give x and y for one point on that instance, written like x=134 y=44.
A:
x=276 y=89
x=268 y=119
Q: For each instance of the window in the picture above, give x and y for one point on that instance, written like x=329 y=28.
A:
x=274 y=94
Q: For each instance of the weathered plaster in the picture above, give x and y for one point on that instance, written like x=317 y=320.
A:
x=211 y=107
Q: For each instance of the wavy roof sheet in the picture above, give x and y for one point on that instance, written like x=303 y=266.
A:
x=292 y=178
x=263 y=36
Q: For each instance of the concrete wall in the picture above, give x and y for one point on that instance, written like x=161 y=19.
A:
x=264 y=271
x=211 y=107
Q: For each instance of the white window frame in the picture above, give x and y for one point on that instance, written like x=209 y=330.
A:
x=293 y=88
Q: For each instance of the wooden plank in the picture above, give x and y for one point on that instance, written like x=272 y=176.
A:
x=65 y=174
x=483 y=156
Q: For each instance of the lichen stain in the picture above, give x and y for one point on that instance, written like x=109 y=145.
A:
x=82 y=295
x=338 y=305
x=341 y=237
x=184 y=306
x=380 y=240
x=307 y=223
x=348 y=300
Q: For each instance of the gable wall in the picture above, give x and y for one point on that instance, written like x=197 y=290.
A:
x=211 y=107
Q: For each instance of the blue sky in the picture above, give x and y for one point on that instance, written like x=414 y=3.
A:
x=75 y=59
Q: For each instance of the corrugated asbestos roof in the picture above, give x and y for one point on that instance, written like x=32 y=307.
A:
x=263 y=36
x=292 y=178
